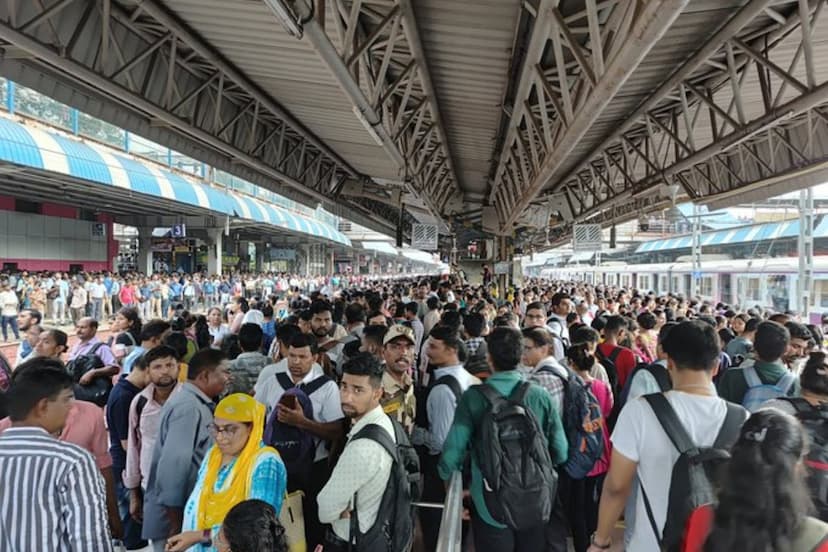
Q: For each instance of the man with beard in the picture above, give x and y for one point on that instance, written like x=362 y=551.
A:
x=26 y=318
x=364 y=467
x=327 y=333
x=397 y=386
x=144 y=417
x=797 y=351
x=326 y=425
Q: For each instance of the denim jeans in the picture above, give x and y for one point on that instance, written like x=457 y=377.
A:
x=10 y=321
x=132 y=528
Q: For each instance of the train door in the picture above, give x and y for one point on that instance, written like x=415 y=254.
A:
x=725 y=288
x=688 y=285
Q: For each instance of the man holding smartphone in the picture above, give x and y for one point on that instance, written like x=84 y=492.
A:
x=303 y=372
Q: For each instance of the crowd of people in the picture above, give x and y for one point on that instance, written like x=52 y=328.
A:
x=64 y=298
x=273 y=417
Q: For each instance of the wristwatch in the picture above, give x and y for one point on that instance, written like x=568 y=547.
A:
x=601 y=546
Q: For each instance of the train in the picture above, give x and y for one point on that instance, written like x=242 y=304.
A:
x=770 y=283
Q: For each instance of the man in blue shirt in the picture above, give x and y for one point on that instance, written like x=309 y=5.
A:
x=152 y=335
x=107 y=303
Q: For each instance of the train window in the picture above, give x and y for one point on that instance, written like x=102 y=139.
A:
x=644 y=282
x=707 y=286
x=821 y=293
x=748 y=290
x=663 y=287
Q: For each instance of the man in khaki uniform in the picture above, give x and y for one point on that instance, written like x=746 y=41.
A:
x=397 y=385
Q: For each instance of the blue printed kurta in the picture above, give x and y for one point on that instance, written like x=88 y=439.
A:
x=269 y=484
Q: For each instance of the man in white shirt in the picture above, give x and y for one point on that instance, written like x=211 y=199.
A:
x=561 y=305
x=643 y=454
x=97 y=291
x=443 y=350
x=365 y=466
x=326 y=426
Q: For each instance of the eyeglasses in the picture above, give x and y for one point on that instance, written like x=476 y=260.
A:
x=228 y=430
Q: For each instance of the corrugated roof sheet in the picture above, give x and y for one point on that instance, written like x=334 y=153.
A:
x=744 y=234
x=290 y=71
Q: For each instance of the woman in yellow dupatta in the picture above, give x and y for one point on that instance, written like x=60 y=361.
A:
x=236 y=468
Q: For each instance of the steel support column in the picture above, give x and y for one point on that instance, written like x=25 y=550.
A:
x=806 y=252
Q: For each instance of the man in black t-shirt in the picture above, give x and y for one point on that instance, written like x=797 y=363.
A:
x=117 y=423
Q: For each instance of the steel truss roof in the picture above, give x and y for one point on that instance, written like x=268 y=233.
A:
x=740 y=111
x=136 y=65
x=607 y=108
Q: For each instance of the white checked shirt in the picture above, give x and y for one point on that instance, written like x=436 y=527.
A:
x=363 y=468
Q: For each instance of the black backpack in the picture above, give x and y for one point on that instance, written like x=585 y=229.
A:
x=582 y=421
x=422 y=393
x=659 y=373
x=693 y=474
x=608 y=362
x=519 y=480
x=393 y=530
x=815 y=421
x=96 y=392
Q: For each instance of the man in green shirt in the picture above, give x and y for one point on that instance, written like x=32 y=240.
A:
x=505 y=346
x=770 y=344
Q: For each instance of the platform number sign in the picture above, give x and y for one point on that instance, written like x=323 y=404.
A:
x=98 y=230
x=586 y=237
x=178 y=231
x=424 y=236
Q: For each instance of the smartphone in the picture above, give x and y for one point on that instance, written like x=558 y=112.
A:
x=289 y=401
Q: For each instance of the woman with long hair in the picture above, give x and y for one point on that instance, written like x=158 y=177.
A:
x=216 y=326
x=237 y=467
x=252 y=526
x=126 y=332
x=811 y=409
x=584 y=494
x=763 y=502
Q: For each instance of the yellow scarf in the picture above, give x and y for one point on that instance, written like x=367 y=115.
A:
x=213 y=505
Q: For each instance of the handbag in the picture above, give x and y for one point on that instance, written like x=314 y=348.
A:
x=293 y=520
x=97 y=391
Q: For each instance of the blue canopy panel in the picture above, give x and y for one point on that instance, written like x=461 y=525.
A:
x=743 y=234
x=31 y=147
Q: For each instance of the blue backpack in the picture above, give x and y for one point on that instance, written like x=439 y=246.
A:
x=582 y=421
x=297 y=447
x=759 y=393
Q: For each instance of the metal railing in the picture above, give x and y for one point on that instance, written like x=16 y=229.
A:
x=451 y=524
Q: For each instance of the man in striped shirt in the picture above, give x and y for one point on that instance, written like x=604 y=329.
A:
x=51 y=492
